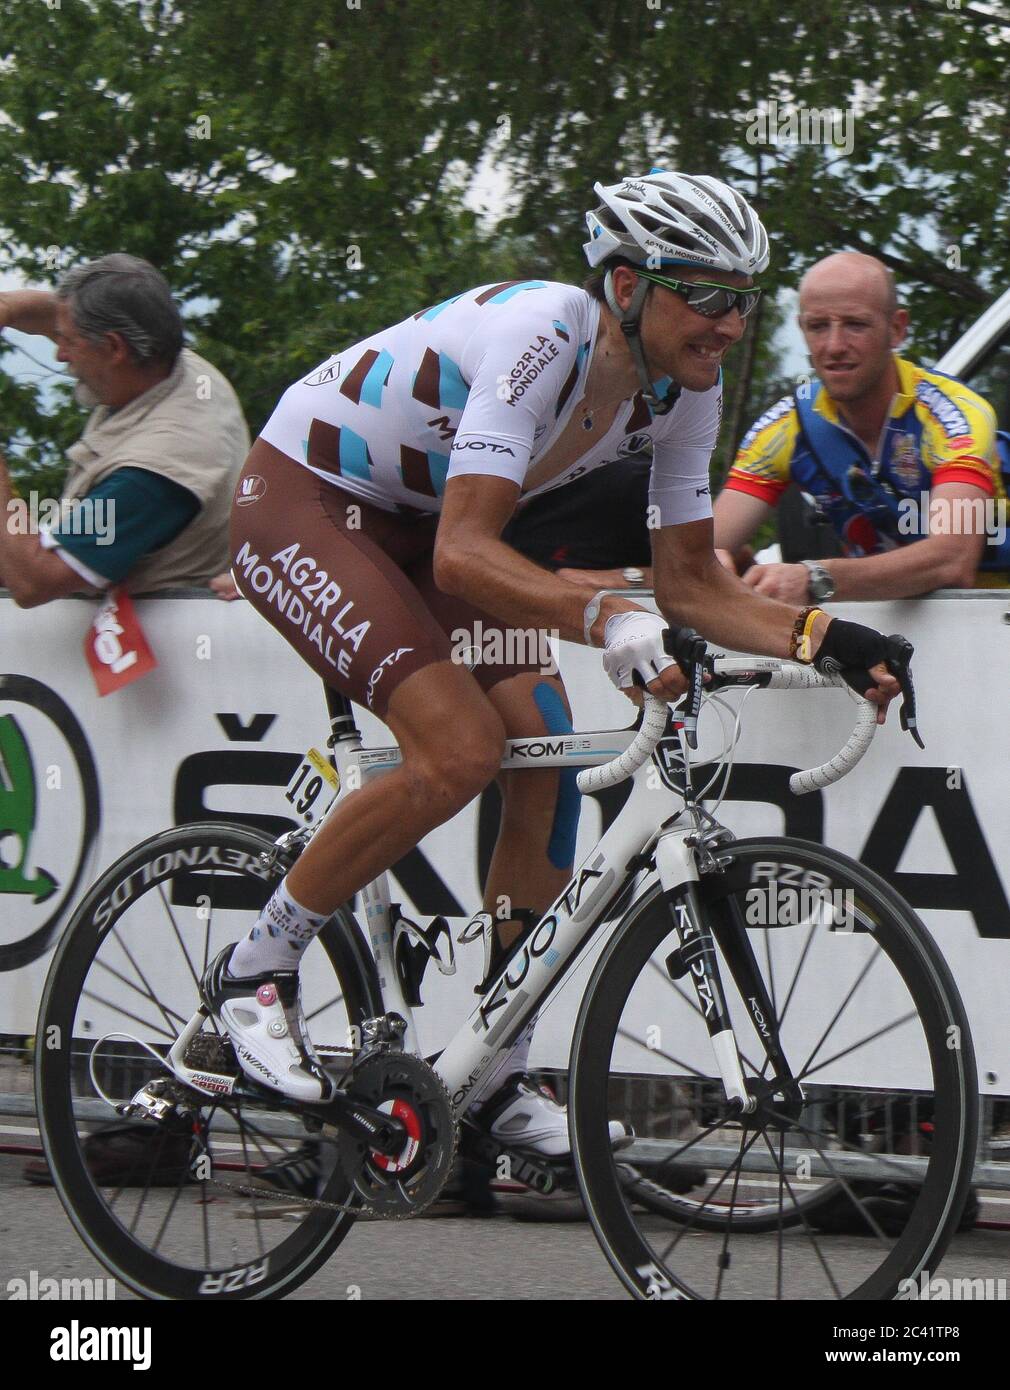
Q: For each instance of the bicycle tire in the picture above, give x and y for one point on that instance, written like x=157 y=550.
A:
x=207 y=869
x=884 y=929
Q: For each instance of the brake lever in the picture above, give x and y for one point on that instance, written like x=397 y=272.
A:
x=688 y=650
x=899 y=663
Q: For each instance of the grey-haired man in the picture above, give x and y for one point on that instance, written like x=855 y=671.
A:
x=148 y=492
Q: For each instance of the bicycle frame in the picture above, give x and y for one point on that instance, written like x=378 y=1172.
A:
x=644 y=834
x=571 y=921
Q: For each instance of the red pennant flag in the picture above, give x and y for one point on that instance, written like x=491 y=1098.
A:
x=115 y=646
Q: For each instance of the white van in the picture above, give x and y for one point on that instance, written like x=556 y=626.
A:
x=981 y=358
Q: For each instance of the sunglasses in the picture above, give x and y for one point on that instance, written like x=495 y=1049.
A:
x=710 y=300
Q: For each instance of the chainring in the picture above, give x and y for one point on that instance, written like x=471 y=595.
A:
x=406 y=1087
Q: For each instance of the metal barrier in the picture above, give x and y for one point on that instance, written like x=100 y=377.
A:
x=666 y=1110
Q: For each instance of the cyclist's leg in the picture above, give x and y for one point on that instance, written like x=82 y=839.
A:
x=532 y=862
x=534 y=855
x=381 y=647
x=451 y=740
x=326 y=571
x=535 y=852
x=516 y=669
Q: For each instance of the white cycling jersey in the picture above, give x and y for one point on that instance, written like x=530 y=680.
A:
x=484 y=382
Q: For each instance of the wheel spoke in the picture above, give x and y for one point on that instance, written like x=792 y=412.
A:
x=854 y=1047
x=147 y=990
x=806 y=1224
x=805 y=1069
x=713 y=1191
x=171 y=1208
x=840 y=1177
x=337 y=1000
x=175 y=929
x=135 y=1018
x=173 y=1019
x=796 y=976
x=658 y=1052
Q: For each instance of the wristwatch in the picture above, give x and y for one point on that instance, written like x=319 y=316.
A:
x=633 y=577
x=820 y=585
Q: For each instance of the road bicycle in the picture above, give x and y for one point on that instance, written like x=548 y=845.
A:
x=770 y=1019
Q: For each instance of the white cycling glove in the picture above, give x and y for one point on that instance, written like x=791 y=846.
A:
x=633 y=641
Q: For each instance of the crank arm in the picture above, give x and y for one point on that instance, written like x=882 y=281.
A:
x=375 y=1129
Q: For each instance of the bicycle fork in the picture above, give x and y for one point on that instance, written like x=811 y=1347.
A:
x=696 y=956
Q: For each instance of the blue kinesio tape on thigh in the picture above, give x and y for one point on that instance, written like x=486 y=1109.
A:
x=561 y=846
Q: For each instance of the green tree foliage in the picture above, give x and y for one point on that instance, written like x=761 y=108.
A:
x=298 y=170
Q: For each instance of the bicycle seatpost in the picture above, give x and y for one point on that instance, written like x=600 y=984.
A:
x=688 y=650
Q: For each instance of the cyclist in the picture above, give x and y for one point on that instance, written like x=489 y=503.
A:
x=367 y=530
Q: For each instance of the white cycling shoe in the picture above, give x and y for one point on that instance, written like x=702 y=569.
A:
x=262 y=1015
x=525 y=1116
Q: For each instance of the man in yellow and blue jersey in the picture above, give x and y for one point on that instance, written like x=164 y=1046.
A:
x=901 y=461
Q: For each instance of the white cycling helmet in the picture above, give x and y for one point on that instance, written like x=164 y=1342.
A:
x=679 y=219
x=662 y=219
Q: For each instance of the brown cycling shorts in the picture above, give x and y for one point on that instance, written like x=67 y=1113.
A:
x=351 y=587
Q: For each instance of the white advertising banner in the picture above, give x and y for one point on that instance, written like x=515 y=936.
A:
x=217 y=729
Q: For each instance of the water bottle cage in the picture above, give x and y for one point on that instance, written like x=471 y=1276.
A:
x=414 y=946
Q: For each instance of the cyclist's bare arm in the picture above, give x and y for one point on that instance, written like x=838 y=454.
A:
x=472 y=560
x=737 y=515
x=694 y=590
x=29 y=311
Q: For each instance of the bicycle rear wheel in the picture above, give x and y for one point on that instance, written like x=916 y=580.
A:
x=159 y=1203
x=876 y=1036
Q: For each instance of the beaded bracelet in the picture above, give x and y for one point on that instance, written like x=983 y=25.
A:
x=800 y=638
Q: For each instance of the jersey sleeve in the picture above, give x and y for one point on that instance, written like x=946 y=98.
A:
x=522 y=368
x=763 y=462
x=133 y=511
x=680 y=488
x=959 y=437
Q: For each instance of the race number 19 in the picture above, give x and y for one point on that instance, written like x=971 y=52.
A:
x=312 y=777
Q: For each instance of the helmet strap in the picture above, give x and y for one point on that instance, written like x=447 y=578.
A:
x=630 y=320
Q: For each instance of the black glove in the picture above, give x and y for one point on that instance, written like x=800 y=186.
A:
x=851 y=649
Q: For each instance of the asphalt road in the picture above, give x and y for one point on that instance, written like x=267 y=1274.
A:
x=451 y=1260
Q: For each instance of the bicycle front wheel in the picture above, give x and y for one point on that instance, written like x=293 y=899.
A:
x=188 y=1207
x=851 y=1173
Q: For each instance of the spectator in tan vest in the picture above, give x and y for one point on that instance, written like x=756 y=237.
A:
x=148 y=493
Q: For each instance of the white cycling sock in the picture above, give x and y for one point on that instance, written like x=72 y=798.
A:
x=509 y=1064
x=283 y=930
